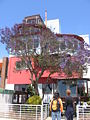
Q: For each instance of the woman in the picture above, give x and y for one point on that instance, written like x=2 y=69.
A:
x=69 y=105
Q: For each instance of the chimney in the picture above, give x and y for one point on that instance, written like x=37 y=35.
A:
x=46 y=18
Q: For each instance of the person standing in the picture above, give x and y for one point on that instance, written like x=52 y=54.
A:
x=69 y=105
x=78 y=101
x=56 y=107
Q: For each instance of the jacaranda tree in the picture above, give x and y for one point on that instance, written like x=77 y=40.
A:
x=40 y=50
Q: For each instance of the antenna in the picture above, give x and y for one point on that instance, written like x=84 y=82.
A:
x=46 y=18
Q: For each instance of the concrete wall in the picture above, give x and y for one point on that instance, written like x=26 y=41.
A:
x=54 y=25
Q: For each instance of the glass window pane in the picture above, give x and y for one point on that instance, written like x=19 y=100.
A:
x=80 y=88
x=63 y=85
x=47 y=88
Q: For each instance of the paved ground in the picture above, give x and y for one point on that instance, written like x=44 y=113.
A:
x=6 y=119
x=49 y=118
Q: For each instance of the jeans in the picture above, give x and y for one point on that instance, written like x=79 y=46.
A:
x=69 y=113
x=56 y=115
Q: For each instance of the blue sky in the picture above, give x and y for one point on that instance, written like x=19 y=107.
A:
x=74 y=15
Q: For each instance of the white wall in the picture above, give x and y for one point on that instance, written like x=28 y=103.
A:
x=40 y=89
x=9 y=86
x=87 y=75
x=86 y=39
x=54 y=25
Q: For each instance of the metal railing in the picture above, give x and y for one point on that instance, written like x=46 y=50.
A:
x=83 y=112
x=24 y=111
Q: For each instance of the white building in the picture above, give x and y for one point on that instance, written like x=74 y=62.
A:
x=86 y=38
x=87 y=75
x=54 y=25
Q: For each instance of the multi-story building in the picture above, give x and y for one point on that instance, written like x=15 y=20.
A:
x=18 y=81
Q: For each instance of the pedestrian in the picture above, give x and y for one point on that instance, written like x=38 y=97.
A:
x=69 y=105
x=56 y=106
x=78 y=102
x=85 y=103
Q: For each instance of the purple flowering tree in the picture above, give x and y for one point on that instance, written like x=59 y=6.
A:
x=40 y=49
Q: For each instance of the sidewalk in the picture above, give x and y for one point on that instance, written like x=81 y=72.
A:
x=49 y=118
x=7 y=119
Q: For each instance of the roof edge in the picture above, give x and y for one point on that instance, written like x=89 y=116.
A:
x=71 y=35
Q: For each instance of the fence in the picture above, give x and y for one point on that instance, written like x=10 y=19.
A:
x=5 y=98
x=24 y=111
x=83 y=112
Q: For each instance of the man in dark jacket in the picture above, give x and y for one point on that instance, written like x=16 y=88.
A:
x=69 y=106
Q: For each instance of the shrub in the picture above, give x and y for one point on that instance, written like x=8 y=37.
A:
x=34 y=100
x=31 y=90
x=88 y=102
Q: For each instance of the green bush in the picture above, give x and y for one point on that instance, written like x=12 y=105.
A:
x=31 y=90
x=89 y=98
x=88 y=102
x=82 y=102
x=34 y=100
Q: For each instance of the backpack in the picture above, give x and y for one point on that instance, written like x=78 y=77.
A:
x=55 y=105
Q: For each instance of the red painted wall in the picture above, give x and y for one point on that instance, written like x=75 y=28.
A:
x=17 y=77
x=23 y=76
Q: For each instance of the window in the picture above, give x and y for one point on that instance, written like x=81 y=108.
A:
x=62 y=45
x=36 y=40
x=39 y=21
x=32 y=21
x=63 y=85
x=80 y=87
x=75 y=42
x=36 y=43
x=47 y=88
x=20 y=65
x=69 y=44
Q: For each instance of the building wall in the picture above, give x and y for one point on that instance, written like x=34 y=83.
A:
x=86 y=38
x=40 y=90
x=54 y=25
x=9 y=86
x=23 y=76
x=17 y=77
x=87 y=75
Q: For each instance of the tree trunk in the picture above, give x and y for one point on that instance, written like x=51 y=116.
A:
x=35 y=84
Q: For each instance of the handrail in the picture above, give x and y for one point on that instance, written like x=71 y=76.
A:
x=83 y=112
